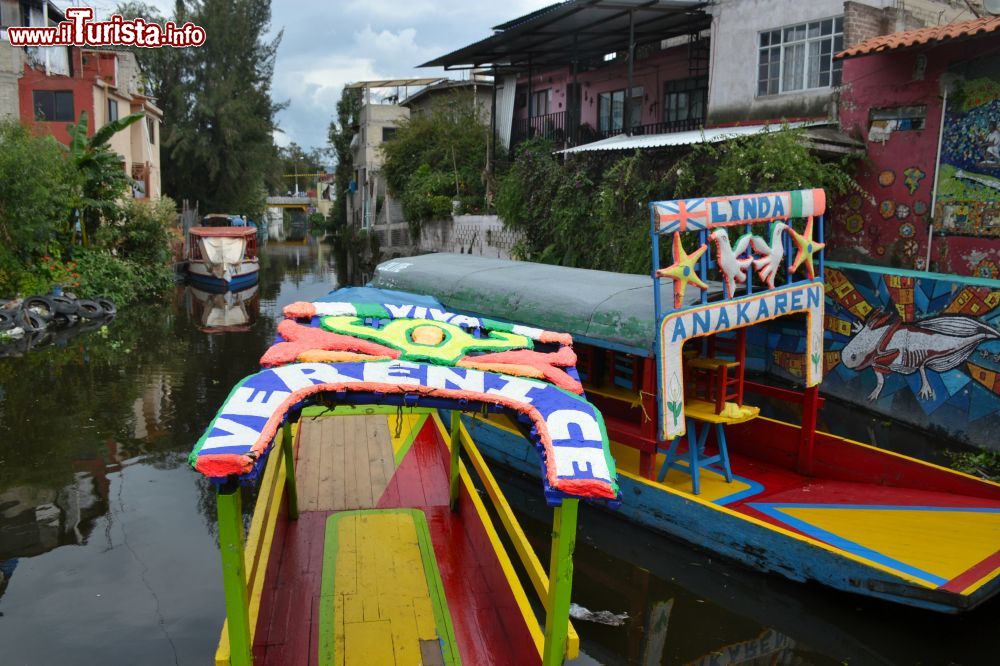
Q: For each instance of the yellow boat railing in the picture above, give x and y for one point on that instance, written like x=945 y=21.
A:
x=526 y=554
x=245 y=561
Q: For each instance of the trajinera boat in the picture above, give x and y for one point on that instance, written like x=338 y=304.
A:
x=369 y=542
x=222 y=254
x=664 y=359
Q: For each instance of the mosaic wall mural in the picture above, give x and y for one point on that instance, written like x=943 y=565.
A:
x=969 y=177
x=924 y=349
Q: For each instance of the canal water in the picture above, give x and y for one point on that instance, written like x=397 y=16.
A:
x=107 y=543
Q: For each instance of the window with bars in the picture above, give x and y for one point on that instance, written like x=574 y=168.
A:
x=800 y=57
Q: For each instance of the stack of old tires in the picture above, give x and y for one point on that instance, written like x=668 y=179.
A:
x=37 y=321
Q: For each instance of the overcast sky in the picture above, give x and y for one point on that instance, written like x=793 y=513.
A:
x=328 y=44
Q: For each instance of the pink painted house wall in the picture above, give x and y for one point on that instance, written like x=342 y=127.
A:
x=650 y=72
x=888 y=224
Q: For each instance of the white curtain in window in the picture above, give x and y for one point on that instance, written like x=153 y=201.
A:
x=793 y=67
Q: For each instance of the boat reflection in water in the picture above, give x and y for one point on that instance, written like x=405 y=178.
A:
x=225 y=312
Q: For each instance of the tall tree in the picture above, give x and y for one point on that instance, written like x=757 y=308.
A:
x=218 y=145
x=341 y=132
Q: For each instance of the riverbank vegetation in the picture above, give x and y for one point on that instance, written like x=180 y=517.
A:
x=435 y=164
x=591 y=210
x=66 y=220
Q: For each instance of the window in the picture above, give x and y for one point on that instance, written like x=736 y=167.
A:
x=112 y=110
x=151 y=129
x=684 y=101
x=53 y=105
x=388 y=134
x=800 y=57
x=540 y=102
x=611 y=109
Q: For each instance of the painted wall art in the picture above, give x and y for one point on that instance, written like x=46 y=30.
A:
x=924 y=348
x=969 y=172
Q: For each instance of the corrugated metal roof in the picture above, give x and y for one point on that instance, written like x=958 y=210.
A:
x=548 y=36
x=711 y=135
x=611 y=308
x=924 y=37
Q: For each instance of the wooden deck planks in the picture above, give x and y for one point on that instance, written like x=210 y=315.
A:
x=344 y=462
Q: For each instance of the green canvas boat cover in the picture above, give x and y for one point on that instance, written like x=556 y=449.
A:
x=613 y=310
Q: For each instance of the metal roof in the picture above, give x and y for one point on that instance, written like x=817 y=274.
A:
x=395 y=83
x=932 y=36
x=614 y=310
x=709 y=135
x=577 y=30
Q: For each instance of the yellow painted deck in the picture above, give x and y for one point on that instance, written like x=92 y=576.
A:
x=384 y=591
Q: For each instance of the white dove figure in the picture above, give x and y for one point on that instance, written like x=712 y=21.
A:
x=771 y=255
x=733 y=268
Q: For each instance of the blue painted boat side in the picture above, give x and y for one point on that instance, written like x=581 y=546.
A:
x=218 y=285
x=733 y=536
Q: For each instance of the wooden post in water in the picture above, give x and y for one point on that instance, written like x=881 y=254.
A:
x=289 y=455
x=234 y=577
x=560 y=582
x=456 y=445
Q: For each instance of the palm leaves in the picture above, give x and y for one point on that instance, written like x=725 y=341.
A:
x=101 y=177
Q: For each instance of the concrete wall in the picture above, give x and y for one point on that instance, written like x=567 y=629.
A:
x=481 y=235
x=736 y=27
x=871 y=314
x=11 y=68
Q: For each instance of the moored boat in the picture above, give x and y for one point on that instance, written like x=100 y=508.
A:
x=222 y=255
x=696 y=458
x=369 y=542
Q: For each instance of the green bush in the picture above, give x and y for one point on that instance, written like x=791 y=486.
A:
x=122 y=280
x=592 y=211
x=35 y=186
x=437 y=156
x=427 y=196
x=143 y=233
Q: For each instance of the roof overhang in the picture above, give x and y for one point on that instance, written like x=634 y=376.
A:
x=394 y=83
x=818 y=135
x=578 y=30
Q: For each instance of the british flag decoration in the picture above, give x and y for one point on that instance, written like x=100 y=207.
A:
x=682 y=215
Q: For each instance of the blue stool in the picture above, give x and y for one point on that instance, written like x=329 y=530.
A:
x=696 y=454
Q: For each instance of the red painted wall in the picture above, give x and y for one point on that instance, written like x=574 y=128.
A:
x=85 y=68
x=888 y=225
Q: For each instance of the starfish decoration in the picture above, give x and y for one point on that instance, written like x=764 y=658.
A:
x=683 y=270
x=807 y=248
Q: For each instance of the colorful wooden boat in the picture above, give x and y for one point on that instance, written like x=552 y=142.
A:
x=222 y=256
x=369 y=542
x=779 y=497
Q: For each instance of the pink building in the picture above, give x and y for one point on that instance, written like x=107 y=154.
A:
x=927 y=104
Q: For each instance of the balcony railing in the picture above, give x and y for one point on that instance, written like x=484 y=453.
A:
x=560 y=128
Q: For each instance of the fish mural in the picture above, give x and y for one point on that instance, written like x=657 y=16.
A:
x=886 y=344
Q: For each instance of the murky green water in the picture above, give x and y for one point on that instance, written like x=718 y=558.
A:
x=108 y=556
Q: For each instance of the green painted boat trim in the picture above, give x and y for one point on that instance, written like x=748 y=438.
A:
x=435 y=586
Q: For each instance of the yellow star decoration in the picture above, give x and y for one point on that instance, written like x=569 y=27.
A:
x=683 y=270
x=807 y=248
